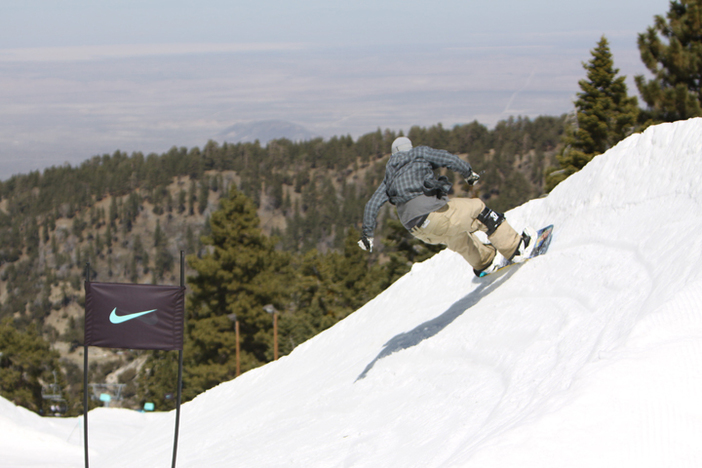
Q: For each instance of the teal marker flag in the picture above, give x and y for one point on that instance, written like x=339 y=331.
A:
x=134 y=316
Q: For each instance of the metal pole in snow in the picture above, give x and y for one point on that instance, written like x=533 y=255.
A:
x=180 y=371
x=238 y=359
x=85 y=382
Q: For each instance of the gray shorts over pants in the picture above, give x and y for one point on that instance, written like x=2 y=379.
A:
x=453 y=225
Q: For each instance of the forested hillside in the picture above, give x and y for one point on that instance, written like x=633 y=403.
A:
x=130 y=215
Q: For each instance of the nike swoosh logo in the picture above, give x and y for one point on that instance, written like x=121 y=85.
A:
x=116 y=319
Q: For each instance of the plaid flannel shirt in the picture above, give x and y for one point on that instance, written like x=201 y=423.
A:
x=405 y=174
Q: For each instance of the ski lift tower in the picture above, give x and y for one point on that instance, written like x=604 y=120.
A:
x=52 y=392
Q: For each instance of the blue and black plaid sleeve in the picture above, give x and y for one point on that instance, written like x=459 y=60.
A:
x=370 y=214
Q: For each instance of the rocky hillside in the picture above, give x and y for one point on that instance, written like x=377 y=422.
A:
x=130 y=216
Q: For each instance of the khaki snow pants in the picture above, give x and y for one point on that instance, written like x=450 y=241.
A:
x=453 y=225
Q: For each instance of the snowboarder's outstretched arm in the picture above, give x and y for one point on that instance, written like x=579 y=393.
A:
x=370 y=213
x=442 y=158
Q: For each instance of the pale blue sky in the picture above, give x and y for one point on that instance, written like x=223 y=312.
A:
x=79 y=78
x=40 y=23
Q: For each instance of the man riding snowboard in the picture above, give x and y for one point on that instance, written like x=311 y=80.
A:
x=425 y=210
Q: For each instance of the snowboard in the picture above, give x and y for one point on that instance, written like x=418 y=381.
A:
x=543 y=240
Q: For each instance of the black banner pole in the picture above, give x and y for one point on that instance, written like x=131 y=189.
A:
x=85 y=381
x=180 y=370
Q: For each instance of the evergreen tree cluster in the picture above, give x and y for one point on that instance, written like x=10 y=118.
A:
x=671 y=50
x=129 y=215
x=26 y=363
x=124 y=237
x=318 y=186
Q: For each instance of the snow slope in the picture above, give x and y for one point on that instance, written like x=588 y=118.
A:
x=588 y=356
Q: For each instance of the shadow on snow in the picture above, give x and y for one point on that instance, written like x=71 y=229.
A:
x=432 y=327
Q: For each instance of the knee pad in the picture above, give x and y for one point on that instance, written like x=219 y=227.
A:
x=491 y=220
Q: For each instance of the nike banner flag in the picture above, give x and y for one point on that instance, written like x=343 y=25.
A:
x=134 y=316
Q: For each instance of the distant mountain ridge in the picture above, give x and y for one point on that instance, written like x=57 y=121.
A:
x=265 y=131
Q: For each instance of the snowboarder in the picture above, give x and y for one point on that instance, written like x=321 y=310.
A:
x=428 y=214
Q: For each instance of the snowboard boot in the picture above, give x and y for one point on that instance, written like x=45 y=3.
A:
x=498 y=262
x=525 y=247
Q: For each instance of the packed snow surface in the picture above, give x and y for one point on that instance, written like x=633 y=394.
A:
x=588 y=356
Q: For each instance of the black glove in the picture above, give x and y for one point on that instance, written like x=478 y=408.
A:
x=366 y=243
x=438 y=188
x=473 y=178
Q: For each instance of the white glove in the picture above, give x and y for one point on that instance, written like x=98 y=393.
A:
x=473 y=178
x=366 y=243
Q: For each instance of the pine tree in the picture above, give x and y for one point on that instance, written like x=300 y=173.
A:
x=26 y=361
x=192 y=197
x=204 y=194
x=156 y=380
x=159 y=236
x=675 y=92
x=239 y=275
x=113 y=214
x=108 y=236
x=33 y=237
x=605 y=114
x=181 y=201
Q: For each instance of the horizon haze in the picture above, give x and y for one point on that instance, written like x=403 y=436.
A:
x=80 y=79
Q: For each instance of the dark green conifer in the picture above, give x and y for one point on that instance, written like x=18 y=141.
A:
x=605 y=114
x=26 y=362
x=203 y=196
x=159 y=236
x=237 y=277
x=675 y=59
x=181 y=201
x=192 y=197
x=108 y=236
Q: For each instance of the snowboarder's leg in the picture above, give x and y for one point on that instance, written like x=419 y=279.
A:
x=506 y=240
x=477 y=254
x=449 y=227
x=473 y=215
